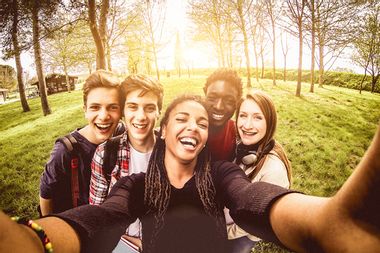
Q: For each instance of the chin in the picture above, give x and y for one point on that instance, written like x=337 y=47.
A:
x=217 y=124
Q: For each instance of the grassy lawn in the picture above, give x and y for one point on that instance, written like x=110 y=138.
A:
x=324 y=133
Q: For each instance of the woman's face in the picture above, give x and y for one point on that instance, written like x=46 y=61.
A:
x=186 y=131
x=251 y=123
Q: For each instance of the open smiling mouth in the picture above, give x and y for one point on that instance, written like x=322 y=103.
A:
x=103 y=127
x=139 y=126
x=217 y=116
x=249 y=133
x=188 y=141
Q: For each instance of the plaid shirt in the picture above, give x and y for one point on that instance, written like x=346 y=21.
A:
x=99 y=186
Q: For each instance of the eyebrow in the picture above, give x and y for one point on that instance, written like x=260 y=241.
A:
x=134 y=103
x=255 y=113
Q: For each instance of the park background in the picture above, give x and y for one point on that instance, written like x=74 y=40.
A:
x=319 y=60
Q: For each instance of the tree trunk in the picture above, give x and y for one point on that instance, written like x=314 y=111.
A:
x=229 y=45
x=103 y=30
x=374 y=81
x=256 y=60
x=100 y=52
x=67 y=78
x=274 y=53
x=109 y=64
x=242 y=23
x=37 y=56
x=312 y=46
x=284 y=67
x=361 y=83
x=321 y=64
x=299 y=77
x=262 y=66
x=20 y=81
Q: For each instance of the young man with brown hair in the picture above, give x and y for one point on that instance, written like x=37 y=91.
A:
x=102 y=109
x=143 y=104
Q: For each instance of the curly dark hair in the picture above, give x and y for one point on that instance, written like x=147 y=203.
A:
x=157 y=185
x=227 y=75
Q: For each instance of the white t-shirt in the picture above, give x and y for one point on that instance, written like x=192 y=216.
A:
x=138 y=162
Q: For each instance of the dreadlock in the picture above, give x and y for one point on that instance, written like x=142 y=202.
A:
x=158 y=188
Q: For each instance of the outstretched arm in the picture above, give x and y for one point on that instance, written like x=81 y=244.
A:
x=347 y=222
x=18 y=238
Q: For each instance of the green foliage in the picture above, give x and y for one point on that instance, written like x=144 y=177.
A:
x=7 y=77
x=340 y=79
x=324 y=133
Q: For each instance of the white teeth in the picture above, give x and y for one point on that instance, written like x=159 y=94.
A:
x=188 y=141
x=139 y=126
x=103 y=126
x=217 y=116
x=249 y=133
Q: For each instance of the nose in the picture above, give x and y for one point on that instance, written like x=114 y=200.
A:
x=219 y=105
x=103 y=114
x=248 y=123
x=192 y=125
x=140 y=114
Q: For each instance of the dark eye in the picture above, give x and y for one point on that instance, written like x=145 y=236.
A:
x=115 y=107
x=94 y=107
x=150 y=108
x=180 y=119
x=132 y=107
x=203 y=125
x=230 y=101
x=211 y=98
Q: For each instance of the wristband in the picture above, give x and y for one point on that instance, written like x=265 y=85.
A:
x=48 y=247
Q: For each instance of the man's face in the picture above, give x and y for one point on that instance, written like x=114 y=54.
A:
x=102 y=111
x=140 y=114
x=222 y=97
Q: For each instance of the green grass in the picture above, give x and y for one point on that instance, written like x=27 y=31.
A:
x=324 y=133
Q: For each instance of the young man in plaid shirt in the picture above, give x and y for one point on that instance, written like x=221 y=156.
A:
x=143 y=103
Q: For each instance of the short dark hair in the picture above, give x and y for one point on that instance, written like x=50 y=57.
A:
x=144 y=82
x=227 y=75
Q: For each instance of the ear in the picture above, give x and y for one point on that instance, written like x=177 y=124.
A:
x=163 y=132
x=205 y=90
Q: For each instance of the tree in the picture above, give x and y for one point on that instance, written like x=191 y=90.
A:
x=367 y=44
x=7 y=77
x=312 y=6
x=120 y=18
x=12 y=19
x=285 y=50
x=296 y=15
x=334 y=20
x=257 y=22
x=272 y=9
x=65 y=50
x=41 y=10
x=178 y=55
x=99 y=30
x=213 y=23
x=154 y=18
x=241 y=7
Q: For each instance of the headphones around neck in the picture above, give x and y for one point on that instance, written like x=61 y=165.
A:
x=249 y=158
x=248 y=155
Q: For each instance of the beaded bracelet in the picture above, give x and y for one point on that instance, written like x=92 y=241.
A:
x=48 y=247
